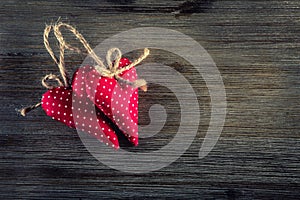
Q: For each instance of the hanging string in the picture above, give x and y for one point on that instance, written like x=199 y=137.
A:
x=110 y=71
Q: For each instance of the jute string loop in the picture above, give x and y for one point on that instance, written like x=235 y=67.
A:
x=111 y=70
x=51 y=77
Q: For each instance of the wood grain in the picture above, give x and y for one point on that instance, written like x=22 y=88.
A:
x=255 y=45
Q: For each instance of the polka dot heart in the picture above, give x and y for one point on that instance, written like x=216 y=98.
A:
x=99 y=102
x=116 y=99
x=58 y=104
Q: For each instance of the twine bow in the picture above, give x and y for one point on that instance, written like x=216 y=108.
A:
x=111 y=70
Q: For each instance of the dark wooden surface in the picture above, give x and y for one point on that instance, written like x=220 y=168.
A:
x=256 y=46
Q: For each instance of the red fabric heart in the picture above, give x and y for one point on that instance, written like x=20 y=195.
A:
x=117 y=100
x=57 y=103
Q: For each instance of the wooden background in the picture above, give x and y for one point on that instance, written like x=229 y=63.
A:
x=256 y=46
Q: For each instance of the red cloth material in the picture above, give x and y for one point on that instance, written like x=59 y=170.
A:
x=57 y=103
x=117 y=100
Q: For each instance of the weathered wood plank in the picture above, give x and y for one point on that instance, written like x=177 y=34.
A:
x=255 y=45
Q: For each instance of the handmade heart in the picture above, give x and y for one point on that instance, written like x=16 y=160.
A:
x=116 y=99
x=57 y=103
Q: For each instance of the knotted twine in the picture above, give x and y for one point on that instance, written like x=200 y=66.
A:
x=111 y=70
